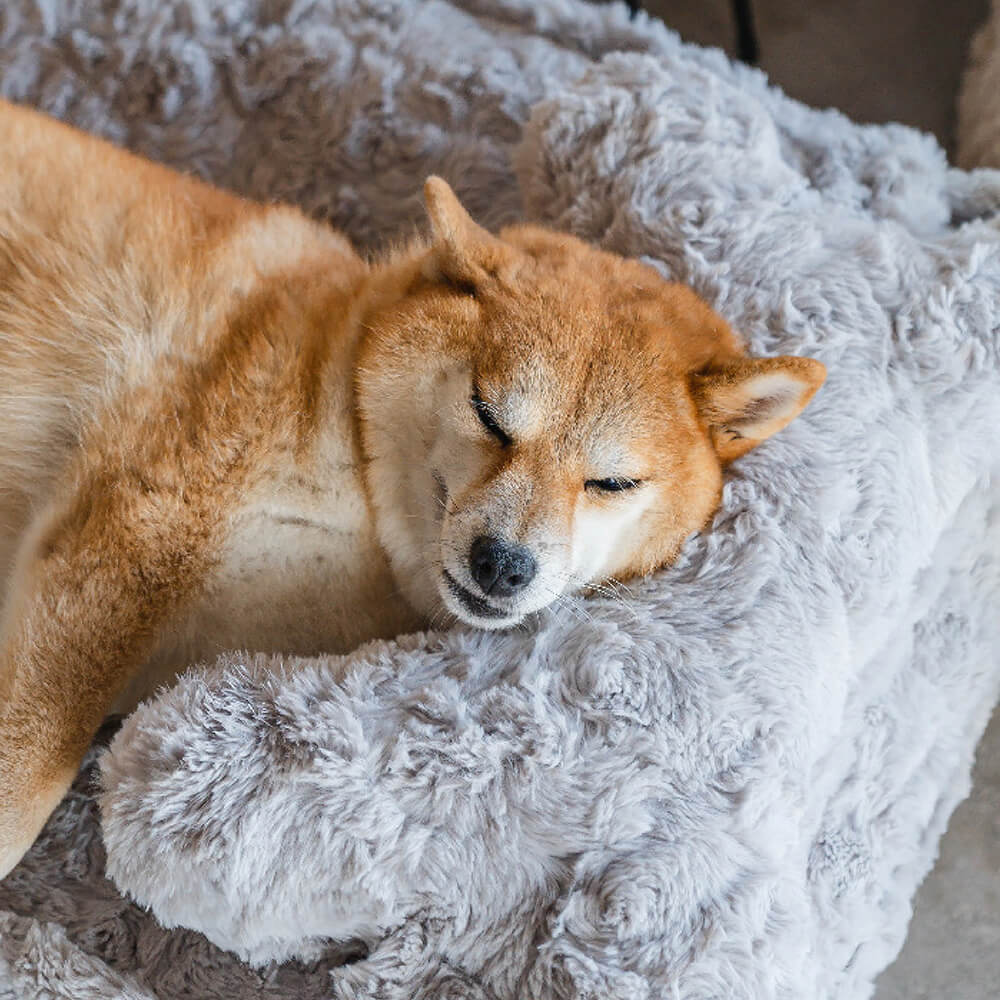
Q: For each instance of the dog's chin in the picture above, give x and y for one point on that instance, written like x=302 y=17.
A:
x=472 y=609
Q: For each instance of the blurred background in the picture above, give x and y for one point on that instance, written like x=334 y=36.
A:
x=875 y=60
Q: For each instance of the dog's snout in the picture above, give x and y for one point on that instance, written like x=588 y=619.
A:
x=501 y=568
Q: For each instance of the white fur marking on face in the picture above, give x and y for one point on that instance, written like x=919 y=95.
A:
x=516 y=411
x=599 y=533
x=610 y=460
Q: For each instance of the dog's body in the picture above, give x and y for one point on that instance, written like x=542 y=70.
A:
x=219 y=427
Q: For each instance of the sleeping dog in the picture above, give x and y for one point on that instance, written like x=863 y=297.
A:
x=220 y=427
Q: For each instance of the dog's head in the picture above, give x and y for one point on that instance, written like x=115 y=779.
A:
x=539 y=416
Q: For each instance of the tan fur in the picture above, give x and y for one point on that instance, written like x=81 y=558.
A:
x=220 y=427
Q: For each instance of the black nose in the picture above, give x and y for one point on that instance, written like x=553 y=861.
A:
x=500 y=568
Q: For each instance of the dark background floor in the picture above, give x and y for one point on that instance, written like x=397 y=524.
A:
x=876 y=60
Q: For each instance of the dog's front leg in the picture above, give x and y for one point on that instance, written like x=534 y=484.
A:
x=97 y=580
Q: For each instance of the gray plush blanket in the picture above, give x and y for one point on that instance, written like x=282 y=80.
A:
x=726 y=784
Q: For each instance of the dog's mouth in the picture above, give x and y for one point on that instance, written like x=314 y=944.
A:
x=477 y=606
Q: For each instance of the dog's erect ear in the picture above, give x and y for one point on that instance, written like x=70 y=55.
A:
x=463 y=252
x=746 y=402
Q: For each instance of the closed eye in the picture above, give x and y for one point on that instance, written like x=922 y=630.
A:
x=618 y=484
x=487 y=419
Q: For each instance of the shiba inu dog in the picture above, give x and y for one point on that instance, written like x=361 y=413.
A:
x=220 y=427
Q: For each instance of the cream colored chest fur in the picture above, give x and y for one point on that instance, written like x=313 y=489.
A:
x=301 y=571
x=297 y=576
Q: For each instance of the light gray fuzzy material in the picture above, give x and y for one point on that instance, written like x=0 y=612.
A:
x=727 y=785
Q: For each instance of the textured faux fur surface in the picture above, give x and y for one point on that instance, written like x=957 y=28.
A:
x=727 y=784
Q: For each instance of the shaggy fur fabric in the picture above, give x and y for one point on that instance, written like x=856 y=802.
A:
x=726 y=785
x=979 y=100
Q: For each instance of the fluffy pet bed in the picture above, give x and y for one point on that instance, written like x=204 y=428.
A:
x=979 y=99
x=726 y=784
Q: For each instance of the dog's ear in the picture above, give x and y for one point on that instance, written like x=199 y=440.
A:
x=746 y=402
x=463 y=253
